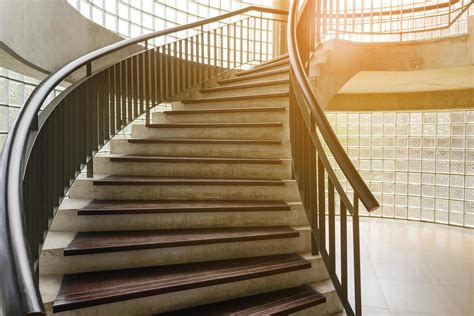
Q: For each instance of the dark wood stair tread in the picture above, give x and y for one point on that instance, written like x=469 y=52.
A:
x=245 y=86
x=262 y=67
x=228 y=110
x=237 y=98
x=174 y=159
x=117 y=207
x=214 y=125
x=143 y=180
x=102 y=242
x=205 y=141
x=256 y=75
x=282 y=302
x=94 y=288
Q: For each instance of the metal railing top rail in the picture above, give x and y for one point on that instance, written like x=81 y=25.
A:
x=19 y=284
x=327 y=133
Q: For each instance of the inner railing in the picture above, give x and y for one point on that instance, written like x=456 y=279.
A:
x=47 y=149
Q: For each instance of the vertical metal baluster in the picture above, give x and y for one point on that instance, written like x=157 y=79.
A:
x=198 y=60
x=136 y=86
x=222 y=48
x=192 y=72
x=123 y=89
x=201 y=68
x=162 y=77
x=267 y=54
x=248 y=41
x=322 y=205
x=234 y=27
x=261 y=37
x=150 y=84
x=343 y=218
x=332 y=227
x=241 y=48
x=313 y=189
x=228 y=46
x=356 y=240
x=208 y=67
x=173 y=69
x=177 y=56
x=129 y=90
x=106 y=94
x=215 y=53
x=100 y=107
x=65 y=150
x=166 y=51
x=254 y=38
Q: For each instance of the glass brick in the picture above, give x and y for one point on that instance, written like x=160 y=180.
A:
x=442 y=192
x=444 y=117
x=414 y=189
x=456 y=219
x=402 y=118
x=458 y=117
x=441 y=217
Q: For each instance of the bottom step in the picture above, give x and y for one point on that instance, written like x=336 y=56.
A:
x=280 y=302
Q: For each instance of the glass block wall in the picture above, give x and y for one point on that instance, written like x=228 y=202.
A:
x=14 y=91
x=419 y=165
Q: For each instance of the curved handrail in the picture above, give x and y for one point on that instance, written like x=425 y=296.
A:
x=317 y=113
x=16 y=269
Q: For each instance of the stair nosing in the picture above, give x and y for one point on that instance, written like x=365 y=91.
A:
x=262 y=67
x=245 y=86
x=228 y=110
x=214 y=125
x=252 y=76
x=205 y=141
x=175 y=159
x=237 y=98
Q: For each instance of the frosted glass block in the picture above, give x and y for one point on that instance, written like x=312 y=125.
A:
x=443 y=142
x=456 y=167
x=429 y=142
x=15 y=92
x=414 y=153
x=389 y=141
x=3 y=89
x=469 y=220
x=469 y=207
x=377 y=153
x=429 y=130
x=389 y=130
x=414 y=189
x=402 y=118
x=388 y=176
x=458 y=117
x=458 y=130
x=442 y=166
x=428 y=178
x=365 y=118
x=353 y=118
x=401 y=142
x=442 y=179
x=444 y=117
x=428 y=166
x=414 y=202
x=414 y=213
x=388 y=188
x=365 y=130
x=414 y=165
x=377 y=118
x=456 y=180
x=442 y=204
x=377 y=129
x=441 y=217
x=388 y=199
x=470 y=142
x=364 y=164
x=458 y=142
x=427 y=202
x=456 y=206
x=414 y=142
x=135 y=30
x=401 y=188
x=388 y=211
x=456 y=193
x=427 y=215
x=442 y=192
x=470 y=129
x=353 y=152
x=389 y=118
x=4 y=125
x=429 y=118
x=401 y=212
x=401 y=177
x=377 y=164
x=402 y=165
x=341 y=118
x=402 y=130
x=442 y=154
x=469 y=168
x=401 y=153
x=457 y=155
x=456 y=218
x=415 y=130
x=414 y=177
x=341 y=129
x=365 y=141
x=376 y=187
x=331 y=117
x=389 y=153
x=416 y=118
x=377 y=141
x=470 y=116
x=353 y=129
x=12 y=114
x=343 y=141
x=443 y=130
x=428 y=154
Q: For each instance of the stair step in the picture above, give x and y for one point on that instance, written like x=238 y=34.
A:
x=172 y=159
x=282 y=302
x=276 y=59
x=245 y=86
x=229 y=110
x=253 y=76
x=214 y=125
x=140 y=180
x=102 y=242
x=263 y=67
x=206 y=141
x=103 y=207
x=237 y=98
x=95 y=288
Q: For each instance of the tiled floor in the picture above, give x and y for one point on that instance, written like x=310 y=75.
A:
x=414 y=268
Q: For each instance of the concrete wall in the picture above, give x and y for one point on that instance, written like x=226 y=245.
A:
x=46 y=34
x=346 y=59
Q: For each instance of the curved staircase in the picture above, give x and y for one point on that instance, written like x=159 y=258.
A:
x=196 y=214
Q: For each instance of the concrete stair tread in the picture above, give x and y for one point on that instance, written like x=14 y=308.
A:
x=104 y=242
x=283 y=62
x=205 y=141
x=281 y=302
x=237 y=98
x=245 y=86
x=215 y=125
x=178 y=159
x=95 y=288
x=255 y=75
x=117 y=207
x=228 y=110
x=147 y=180
x=274 y=60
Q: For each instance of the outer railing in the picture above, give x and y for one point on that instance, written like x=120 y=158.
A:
x=316 y=178
x=46 y=149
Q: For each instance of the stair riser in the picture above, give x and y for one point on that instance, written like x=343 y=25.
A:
x=199 y=296
x=331 y=307
x=54 y=262
x=280 y=76
x=122 y=146
x=248 y=103
x=68 y=220
x=245 y=91
x=141 y=131
x=103 y=165
x=268 y=67
x=245 y=117
x=84 y=189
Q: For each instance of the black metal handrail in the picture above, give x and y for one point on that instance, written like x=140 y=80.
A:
x=309 y=127
x=45 y=151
